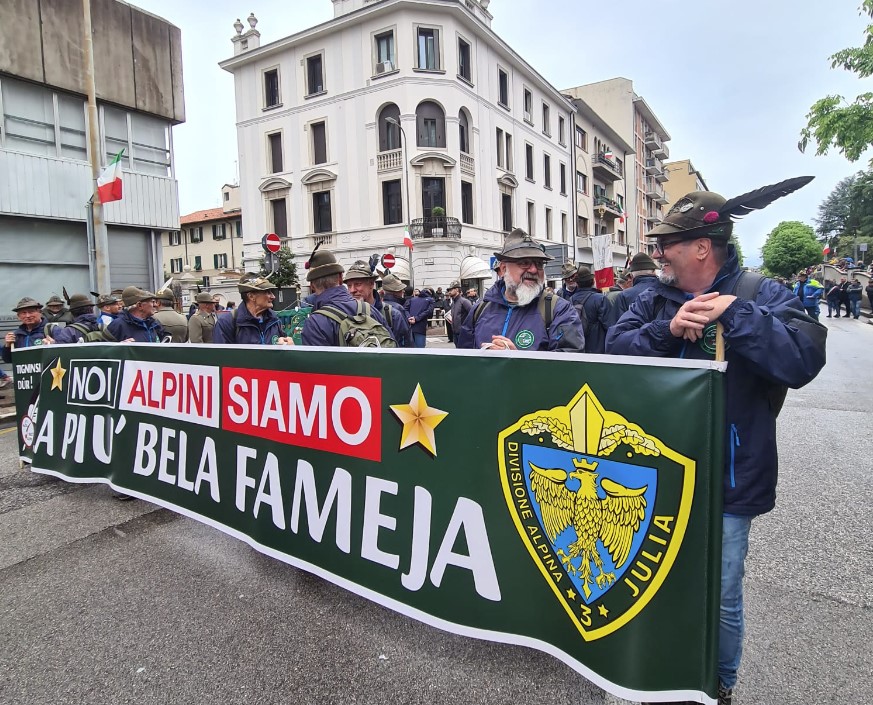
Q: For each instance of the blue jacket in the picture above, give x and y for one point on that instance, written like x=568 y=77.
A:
x=421 y=308
x=242 y=328
x=399 y=324
x=809 y=294
x=623 y=299
x=596 y=309
x=74 y=335
x=25 y=338
x=760 y=349
x=524 y=326
x=141 y=330
x=321 y=330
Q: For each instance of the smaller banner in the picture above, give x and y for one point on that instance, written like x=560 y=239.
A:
x=601 y=248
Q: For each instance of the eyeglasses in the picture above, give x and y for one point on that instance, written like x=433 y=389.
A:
x=526 y=263
x=662 y=246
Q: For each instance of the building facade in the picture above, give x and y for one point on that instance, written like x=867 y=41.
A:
x=396 y=115
x=635 y=122
x=45 y=174
x=684 y=178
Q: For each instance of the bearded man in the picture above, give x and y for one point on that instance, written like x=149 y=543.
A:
x=515 y=314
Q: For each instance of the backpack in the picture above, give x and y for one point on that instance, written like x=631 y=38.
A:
x=545 y=305
x=101 y=335
x=388 y=314
x=360 y=330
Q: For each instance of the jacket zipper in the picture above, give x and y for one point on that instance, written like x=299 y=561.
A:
x=735 y=442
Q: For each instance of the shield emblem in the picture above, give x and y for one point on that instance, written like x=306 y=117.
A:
x=601 y=506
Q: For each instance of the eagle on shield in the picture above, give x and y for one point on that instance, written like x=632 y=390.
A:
x=613 y=519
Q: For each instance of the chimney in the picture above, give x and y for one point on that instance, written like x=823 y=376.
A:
x=245 y=41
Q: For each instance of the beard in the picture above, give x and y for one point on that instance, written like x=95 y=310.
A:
x=667 y=279
x=526 y=289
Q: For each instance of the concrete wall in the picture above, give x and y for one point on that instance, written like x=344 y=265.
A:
x=137 y=55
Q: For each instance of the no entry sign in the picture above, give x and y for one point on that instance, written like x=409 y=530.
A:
x=271 y=243
x=388 y=260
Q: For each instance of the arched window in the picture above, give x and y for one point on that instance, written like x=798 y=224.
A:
x=389 y=133
x=464 y=131
x=430 y=123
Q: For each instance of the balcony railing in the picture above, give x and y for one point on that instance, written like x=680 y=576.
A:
x=655 y=191
x=389 y=161
x=610 y=207
x=322 y=239
x=653 y=140
x=435 y=227
x=653 y=166
x=607 y=168
x=468 y=164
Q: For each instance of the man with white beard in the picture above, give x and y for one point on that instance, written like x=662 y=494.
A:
x=515 y=313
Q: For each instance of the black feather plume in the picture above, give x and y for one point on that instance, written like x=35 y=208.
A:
x=66 y=295
x=94 y=293
x=737 y=208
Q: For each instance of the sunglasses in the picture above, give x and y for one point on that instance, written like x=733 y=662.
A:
x=662 y=246
x=526 y=263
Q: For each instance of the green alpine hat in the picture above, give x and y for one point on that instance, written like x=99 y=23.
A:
x=568 y=270
x=360 y=270
x=641 y=262
x=78 y=301
x=519 y=245
x=26 y=303
x=254 y=282
x=204 y=297
x=133 y=295
x=392 y=283
x=695 y=215
x=322 y=263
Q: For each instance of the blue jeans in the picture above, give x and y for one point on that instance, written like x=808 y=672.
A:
x=734 y=547
x=420 y=339
x=833 y=308
x=856 y=307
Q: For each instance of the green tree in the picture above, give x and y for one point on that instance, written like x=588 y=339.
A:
x=286 y=270
x=736 y=243
x=845 y=217
x=833 y=122
x=790 y=247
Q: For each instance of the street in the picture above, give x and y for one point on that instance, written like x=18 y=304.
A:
x=104 y=601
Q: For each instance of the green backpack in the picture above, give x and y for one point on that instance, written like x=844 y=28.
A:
x=360 y=330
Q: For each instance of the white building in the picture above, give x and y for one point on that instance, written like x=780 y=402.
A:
x=322 y=159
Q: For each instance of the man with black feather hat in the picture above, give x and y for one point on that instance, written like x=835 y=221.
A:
x=769 y=344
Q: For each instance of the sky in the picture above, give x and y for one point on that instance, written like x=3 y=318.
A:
x=731 y=82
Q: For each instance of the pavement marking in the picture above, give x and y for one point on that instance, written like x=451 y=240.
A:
x=8 y=430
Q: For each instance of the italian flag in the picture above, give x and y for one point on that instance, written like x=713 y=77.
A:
x=407 y=241
x=608 y=154
x=601 y=249
x=109 y=181
x=826 y=250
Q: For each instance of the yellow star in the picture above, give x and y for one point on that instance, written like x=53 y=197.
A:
x=571 y=595
x=58 y=373
x=419 y=421
x=603 y=611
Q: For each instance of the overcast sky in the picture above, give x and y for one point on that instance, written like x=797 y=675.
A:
x=731 y=82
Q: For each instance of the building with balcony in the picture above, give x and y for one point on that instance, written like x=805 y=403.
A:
x=632 y=118
x=684 y=178
x=353 y=131
x=209 y=242
x=45 y=173
x=600 y=160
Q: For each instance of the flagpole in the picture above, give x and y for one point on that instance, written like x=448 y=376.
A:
x=101 y=236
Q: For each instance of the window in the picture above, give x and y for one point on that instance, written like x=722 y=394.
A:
x=219 y=261
x=274 y=160
x=528 y=106
x=433 y=194
x=321 y=216
x=174 y=238
x=319 y=143
x=547 y=171
x=175 y=265
x=271 y=89
x=467 y=202
x=239 y=232
x=508 y=152
x=315 y=74
x=150 y=144
x=279 y=216
x=620 y=200
x=428 y=48
x=392 y=202
x=464 y=132
x=226 y=196
x=219 y=231
x=71 y=121
x=431 y=125
x=531 y=217
x=197 y=234
x=562 y=131
x=506 y=211
x=581 y=139
x=198 y=264
x=500 y=149
x=563 y=170
x=547 y=120
x=548 y=223
x=581 y=182
x=503 y=88
x=389 y=133
x=29 y=118
x=563 y=227
x=581 y=227
x=528 y=162
x=465 y=70
x=385 y=52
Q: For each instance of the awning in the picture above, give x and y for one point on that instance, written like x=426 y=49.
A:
x=473 y=267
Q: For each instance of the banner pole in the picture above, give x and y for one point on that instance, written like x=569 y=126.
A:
x=719 y=342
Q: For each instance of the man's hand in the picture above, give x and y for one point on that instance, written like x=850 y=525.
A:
x=285 y=341
x=411 y=320
x=9 y=339
x=48 y=340
x=499 y=342
x=699 y=312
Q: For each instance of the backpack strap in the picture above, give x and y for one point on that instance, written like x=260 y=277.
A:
x=748 y=285
x=546 y=306
x=480 y=309
x=389 y=315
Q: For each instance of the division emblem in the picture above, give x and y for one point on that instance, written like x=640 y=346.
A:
x=601 y=506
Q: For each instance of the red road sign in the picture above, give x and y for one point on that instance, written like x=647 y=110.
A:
x=388 y=260
x=271 y=242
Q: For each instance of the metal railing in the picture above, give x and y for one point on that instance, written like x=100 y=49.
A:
x=435 y=227
x=613 y=164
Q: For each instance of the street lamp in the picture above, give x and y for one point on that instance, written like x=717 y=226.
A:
x=405 y=149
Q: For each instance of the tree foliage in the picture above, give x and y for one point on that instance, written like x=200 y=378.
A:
x=845 y=217
x=286 y=270
x=736 y=243
x=833 y=122
x=790 y=247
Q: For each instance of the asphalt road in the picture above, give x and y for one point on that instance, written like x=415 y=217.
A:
x=110 y=602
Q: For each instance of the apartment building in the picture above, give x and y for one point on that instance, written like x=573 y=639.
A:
x=45 y=174
x=396 y=115
x=634 y=120
x=209 y=242
x=684 y=178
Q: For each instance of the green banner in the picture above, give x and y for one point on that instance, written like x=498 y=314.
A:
x=571 y=504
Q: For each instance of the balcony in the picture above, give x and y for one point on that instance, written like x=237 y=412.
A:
x=606 y=168
x=389 y=161
x=322 y=239
x=435 y=227
x=655 y=191
x=468 y=164
x=611 y=209
x=654 y=166
x=653 y=218
x=653 y=141
x=661 y=176
x=663 y=151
